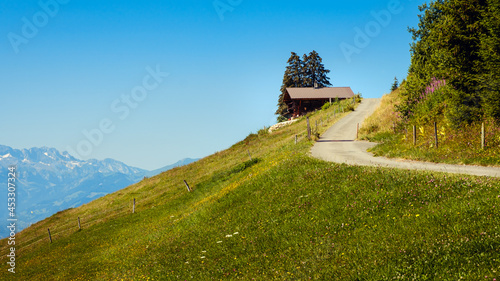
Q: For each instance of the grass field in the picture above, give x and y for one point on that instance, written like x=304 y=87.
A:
x=281 y=215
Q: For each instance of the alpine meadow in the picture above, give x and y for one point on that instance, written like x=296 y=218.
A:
x=267 y=207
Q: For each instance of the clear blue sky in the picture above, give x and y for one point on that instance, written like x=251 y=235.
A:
x=74 y=66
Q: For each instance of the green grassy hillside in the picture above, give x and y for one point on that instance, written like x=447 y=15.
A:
x=281 y=215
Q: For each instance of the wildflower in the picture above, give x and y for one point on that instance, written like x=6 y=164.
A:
x=417 y=215
x=236 y=233
x=219 y=242
x=202 y=257
x=229 y=235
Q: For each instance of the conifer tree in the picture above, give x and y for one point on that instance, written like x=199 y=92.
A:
x=490 y=52
x=395 y=85
x=301 y=73
x=291 y=78
x=456 y=41
x=314 y=71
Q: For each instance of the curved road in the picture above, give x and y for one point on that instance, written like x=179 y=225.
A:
x=338 y=145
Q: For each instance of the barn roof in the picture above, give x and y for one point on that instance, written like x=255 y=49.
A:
x=320 y=93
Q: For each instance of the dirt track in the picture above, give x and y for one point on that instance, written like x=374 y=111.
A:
x=338 y=145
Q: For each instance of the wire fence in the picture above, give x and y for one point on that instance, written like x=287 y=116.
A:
x=60 y=230
x=478 y=136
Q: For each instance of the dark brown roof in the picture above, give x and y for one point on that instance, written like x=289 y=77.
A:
x=320 y=93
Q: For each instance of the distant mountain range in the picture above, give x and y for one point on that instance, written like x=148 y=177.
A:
x=49 y=181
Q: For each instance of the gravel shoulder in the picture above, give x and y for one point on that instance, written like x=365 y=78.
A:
x=338 y=145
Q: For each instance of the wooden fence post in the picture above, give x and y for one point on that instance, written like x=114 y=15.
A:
x=79 y=225
x=296 y=140
x=133 y=207
x=436 y=135
x=414 y=135
x=187 y=185
x=482 y=136
x=249 y=155
x=308 y=129
x=50 y=237
x=357 y=131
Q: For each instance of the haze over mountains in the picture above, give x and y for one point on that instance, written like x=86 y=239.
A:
x=49 y=181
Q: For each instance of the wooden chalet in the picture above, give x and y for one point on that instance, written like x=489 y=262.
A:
x=303 y=100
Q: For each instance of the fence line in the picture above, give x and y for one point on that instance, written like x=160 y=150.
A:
x=57 y=229
x=482 y=133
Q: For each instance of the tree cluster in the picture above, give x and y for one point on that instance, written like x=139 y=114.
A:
x=455 y=65
x=305 y=72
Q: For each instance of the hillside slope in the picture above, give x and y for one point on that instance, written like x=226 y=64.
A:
x=280 y=215
x=49 y=181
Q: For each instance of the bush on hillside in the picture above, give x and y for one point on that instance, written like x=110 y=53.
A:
x=326 y=106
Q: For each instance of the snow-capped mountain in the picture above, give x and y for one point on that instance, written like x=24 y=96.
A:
x=49 y=181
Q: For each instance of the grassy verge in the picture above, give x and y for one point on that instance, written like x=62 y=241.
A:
x=455 y=145
x=281 y=215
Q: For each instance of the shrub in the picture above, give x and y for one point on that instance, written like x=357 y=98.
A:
x=282 y=119
x=326 y=106
x=358 y=97
x=263 y=132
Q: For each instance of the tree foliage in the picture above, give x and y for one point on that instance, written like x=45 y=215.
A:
x=301 y=73
x=456 y=42
x=291 y=78
x=395 y=85
x=313 y=71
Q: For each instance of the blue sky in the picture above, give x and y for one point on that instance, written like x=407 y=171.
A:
x=152 y=82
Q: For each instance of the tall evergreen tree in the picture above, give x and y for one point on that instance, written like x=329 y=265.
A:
x=300 y=73
x=490 y=52
x=314 y=71
x=395 y=85
x=455 y=42
x=291 y=78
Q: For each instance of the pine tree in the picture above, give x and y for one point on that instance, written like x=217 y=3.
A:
x=301 y=73
x=395 y=85
x=454 y=42
x=314 y=71
x=291 y=78
x=490 y=53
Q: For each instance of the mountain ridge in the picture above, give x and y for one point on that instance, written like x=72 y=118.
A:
x=49 y=181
